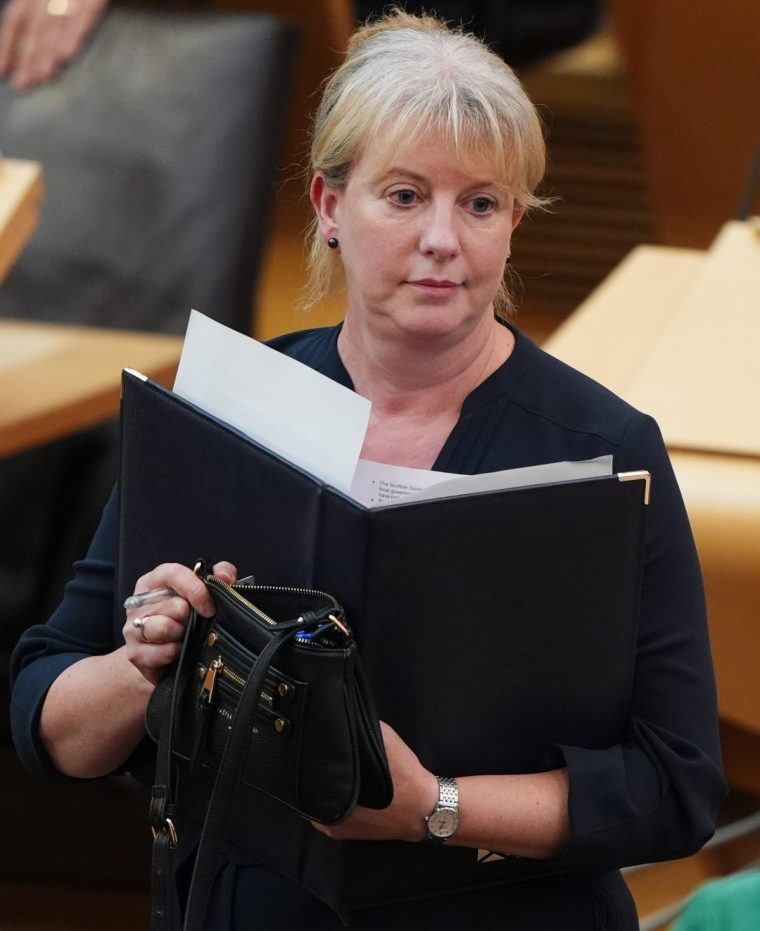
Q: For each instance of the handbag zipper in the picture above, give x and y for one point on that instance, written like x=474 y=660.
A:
x=209 y=681
x=234 y=593
x=231 y=676
x=227 y=673
x=218 y=667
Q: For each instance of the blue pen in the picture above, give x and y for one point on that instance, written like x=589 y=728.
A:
x=311 y=634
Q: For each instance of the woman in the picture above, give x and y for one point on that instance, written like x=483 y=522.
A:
x=417 y=188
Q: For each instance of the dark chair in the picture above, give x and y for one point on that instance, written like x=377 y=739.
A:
x=160 y=146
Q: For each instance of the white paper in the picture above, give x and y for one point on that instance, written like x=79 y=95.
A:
x=286 y=406
x=377 y=484
x=319 y=425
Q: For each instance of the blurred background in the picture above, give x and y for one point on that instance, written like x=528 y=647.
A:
x=171 y=148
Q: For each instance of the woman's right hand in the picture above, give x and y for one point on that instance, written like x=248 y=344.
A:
x=93 y=715
x=155 y=642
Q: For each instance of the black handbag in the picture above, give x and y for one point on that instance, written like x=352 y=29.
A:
x=268 y=696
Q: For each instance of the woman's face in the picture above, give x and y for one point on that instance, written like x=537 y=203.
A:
x=423 y=243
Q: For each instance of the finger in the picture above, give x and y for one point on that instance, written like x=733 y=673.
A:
x=152 y=630
x=157 y=628
x=389 y=734
x=149 y=658
x=184 y=582
x=226 y=571
x=162 y=655
x=63 y=40
x=172 y=606
x=37 y=72
x=11 y=29
x=152 y=661
x=39 y=58
x=71 y=39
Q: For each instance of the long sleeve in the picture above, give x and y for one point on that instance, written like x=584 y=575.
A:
x=655 y=795
x=81 y=626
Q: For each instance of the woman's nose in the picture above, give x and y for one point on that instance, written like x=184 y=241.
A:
x=439 y=236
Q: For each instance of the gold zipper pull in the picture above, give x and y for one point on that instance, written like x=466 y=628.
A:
x=204 y=701
x=207 y=689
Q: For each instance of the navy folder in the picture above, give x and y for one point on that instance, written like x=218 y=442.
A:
x=493 y=626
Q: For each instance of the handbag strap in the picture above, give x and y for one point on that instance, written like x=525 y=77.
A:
x=220 y=802
x=163 y=804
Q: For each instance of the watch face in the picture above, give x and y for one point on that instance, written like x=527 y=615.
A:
x=443 y=822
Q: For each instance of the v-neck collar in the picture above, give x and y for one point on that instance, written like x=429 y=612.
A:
x=482 y=409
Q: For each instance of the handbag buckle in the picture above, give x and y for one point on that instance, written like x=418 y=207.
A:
x=168 y=825
x=340 y=625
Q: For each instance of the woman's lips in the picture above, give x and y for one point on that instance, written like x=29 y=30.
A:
x=435 y=285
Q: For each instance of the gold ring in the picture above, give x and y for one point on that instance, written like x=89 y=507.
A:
x=59 y=8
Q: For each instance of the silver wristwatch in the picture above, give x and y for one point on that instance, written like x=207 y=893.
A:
x=443 y=820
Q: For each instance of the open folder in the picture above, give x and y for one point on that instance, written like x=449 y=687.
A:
x=493 y=626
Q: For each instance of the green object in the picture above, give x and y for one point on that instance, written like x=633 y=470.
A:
x=728 y=904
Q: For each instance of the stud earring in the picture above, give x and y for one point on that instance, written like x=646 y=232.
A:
x=509 y=259
x=332 y=242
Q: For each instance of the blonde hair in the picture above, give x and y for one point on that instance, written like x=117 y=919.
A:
x=405 y=78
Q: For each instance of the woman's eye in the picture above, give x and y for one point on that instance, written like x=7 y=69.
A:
x=404 y=197
x=482 y=204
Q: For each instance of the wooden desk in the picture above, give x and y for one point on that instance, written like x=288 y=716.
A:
x=615 y=337
x=58 y=379
x=20 y=198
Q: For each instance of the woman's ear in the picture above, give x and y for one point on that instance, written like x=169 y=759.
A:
x=518 y=213
x=325 y=200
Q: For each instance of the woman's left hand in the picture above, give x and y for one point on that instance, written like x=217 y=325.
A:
x=415 y=793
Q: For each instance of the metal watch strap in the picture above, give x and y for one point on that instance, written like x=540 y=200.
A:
x=448 y=793
x=448 y=802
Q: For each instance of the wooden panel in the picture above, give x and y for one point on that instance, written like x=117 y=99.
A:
x=701 y=376
x=722 y=495
x=20 y=199
x=58 y=379
x=695 y=79
x=662 y=884
x=652 y=333
x=610 y=334
x=741 y=758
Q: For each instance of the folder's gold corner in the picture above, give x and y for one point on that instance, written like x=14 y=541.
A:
x=641 y=476
x=489 y=856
